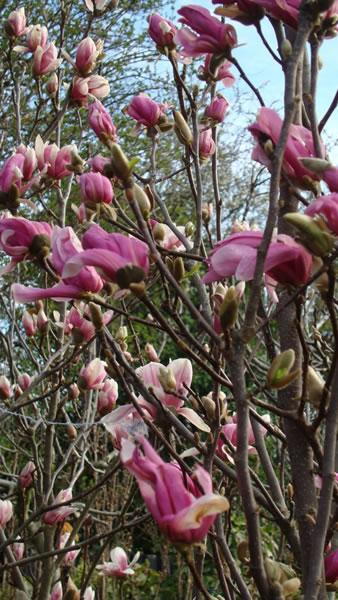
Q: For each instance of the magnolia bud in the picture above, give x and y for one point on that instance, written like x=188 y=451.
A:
x=189 y=229
x=280 y=375
x=314 y=387
x=76 y=163
x=229 y=308
x=209 y=407
x=167 y=379
x=207 y=209
x=52 y=85
x=71 y=431
x=159 y=232
x=74 y=391
x=182 y=129
x=178 y=269
x=96 y=316
x=142 y=200
x=317 y=165
x=285 y=48
x=121 y=166
x=314 y=233
x=121 y=334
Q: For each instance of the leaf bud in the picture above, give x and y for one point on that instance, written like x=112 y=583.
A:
x=280 y=375
x=314 y=232
x=317 y=165
x=182 y=129
x=229 y=308
x=142 y=200
x=178 y=269
x=314 y=387
x=285 y=49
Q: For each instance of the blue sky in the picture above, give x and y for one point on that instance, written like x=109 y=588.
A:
x=266 y=74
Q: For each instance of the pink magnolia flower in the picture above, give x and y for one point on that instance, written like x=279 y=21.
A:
x=331 y=567
x=18 y=549
x=206 y=145
x=229 y=431
x=145 y=110
x=37 y=36
x=79 y=91
x=107 y=397
x=286 y=262
x=110 y=253
x=184 y=507
x=6 y=512
x=57 y=593
x=217 y=109
x=45 y=60
x=170 y=385
x=29 y=322
x=101 y=122
x=98 y=6
x=151 y=353
x=5 y=388
x=81 y=328
x=247 y=12
x=16 y=23
x=325 y=207
x=30 y=163
x=164 y=236
x=53 y=161
x=92 y=375
x=95 y=189
x=60 y=514
x=211 y=37
x=12 y=172
x=70 y=557
x=21 y=239
x=65 y=245
x=26 y=476
x=220 y=72
x=122 y=423
x=330 y=176
x=266 y=131
x=98 y=163
x=162 y=31
x=89 y=594
x=24 y=381
x=98 y=86
x=119 y=566
x=86 y=55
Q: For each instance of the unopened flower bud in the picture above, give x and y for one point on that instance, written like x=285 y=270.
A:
x=167 y=379
x=229 y=308
x=151 y=353
x=285 y=49
x=52 y=85
x=314 y=232
x=74 y=391
x=42 y=320
x=142 y=200
x=182 y=129
x=314 y=387
x=317 y=165
x=71 y=431
x=5 y=388
x=280 y=374
x=121 y=334
x=209 y=407
x=207 y=210
x=120 y=164
x=178 y=268
x=189 y=229
x=159 y=232
x=96 y=315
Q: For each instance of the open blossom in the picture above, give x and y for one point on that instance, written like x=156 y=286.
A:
x=65 y=245
x=170 y=385
x=21 y=239
x=122 y=423
x=107 y=397
x=162 y=31
x=52 y=160
x=26 y=476
x=95 y=189
x=211 y=37
x=165 y=237
x=112 y=254
x=184 y=507
x=6 y=512
x=100 y=5
x=101 y=122
x=12 y=172
x=45 y=60
x=266 y=131
x=98 y=86
x=37 y=35
x=30 y=162
x=145 y=110
x=206 y=145
x=92 y=375
x=16 y=23
x=229 y=431
x=218 y=72
x=286 y=262
x=118 y=565
x=5 y=388
x=60 y=514
x=86 y=55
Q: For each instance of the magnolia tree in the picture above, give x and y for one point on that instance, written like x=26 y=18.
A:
x=168 y=386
